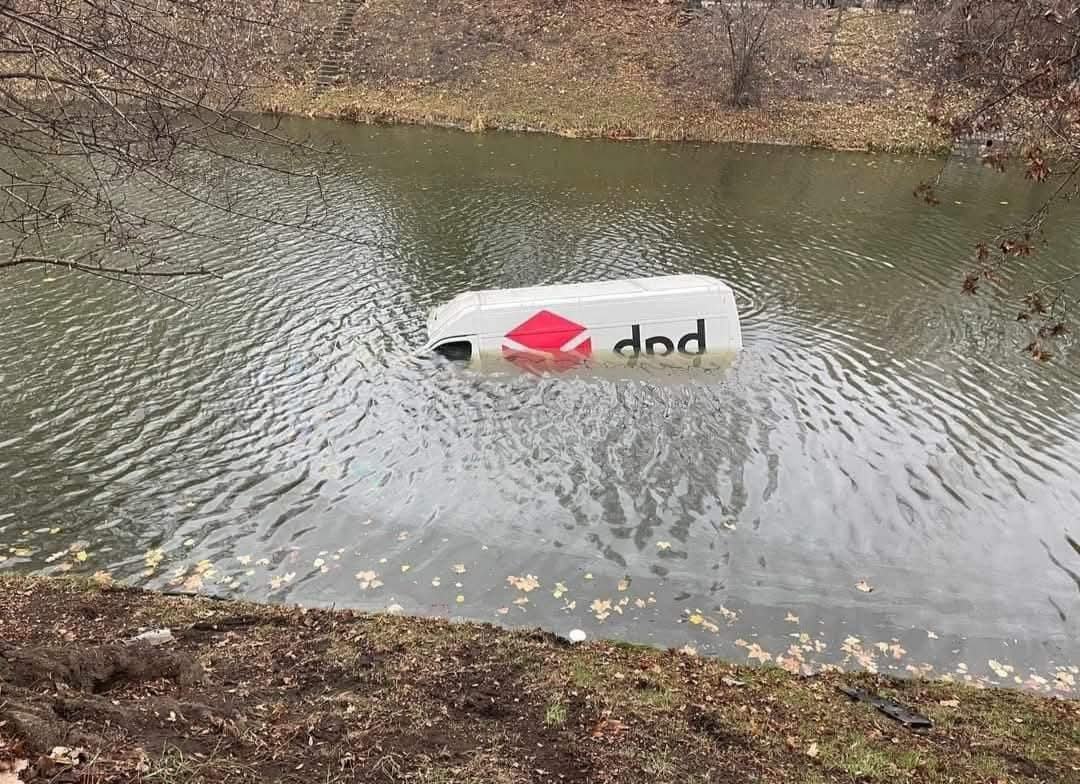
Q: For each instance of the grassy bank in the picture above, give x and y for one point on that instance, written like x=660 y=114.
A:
x=253 y=693
x=628 y=70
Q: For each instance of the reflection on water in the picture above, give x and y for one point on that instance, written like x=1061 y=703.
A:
x=278 y=439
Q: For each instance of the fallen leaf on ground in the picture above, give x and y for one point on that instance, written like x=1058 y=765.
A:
x=812 y=750
x=607 y=727
x=949 y=703
x=9 y=771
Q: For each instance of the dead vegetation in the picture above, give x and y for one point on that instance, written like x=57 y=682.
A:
x=251 y=693
x=629 y=70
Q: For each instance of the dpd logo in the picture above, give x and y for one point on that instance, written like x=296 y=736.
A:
x=661 y=345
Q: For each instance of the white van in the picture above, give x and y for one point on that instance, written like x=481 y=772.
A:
x=687 y=319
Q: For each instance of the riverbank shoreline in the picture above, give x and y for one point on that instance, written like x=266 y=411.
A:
x=246 y=692
x=843 y=80
x=881 y=128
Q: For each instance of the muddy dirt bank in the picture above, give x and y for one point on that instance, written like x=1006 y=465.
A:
x=264 y=693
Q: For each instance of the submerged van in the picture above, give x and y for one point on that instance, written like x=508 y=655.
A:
x=679 y=319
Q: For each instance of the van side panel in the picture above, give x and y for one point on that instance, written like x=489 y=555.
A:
x=606 y=325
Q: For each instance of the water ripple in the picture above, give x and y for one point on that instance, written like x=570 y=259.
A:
x=877 y=426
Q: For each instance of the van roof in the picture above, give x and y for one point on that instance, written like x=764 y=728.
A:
x=635 y=288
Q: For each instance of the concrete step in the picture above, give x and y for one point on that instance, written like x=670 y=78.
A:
x=333 y=61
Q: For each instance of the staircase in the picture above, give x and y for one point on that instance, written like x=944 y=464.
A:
x=333 y=63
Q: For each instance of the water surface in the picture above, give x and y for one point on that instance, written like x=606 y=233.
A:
x=273 y=439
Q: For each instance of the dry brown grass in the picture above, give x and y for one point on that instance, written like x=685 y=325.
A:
x=634 y=70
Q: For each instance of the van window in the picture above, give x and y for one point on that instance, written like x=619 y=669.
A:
x=455 y=350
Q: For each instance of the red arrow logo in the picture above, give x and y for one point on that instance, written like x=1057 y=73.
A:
x=547 y=341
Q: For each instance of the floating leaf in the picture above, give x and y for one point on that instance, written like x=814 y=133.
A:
x=154 y=557
x=601 y=608
x=755 y=651
x=623 y=585
x=791 y=618
x=560 y=591
x=864 y=586
x=244 y=560
x=458 y=568
x=663 y=546
x=405 y=568
x=460 y=599
x=368 y=579
x=526 y=583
